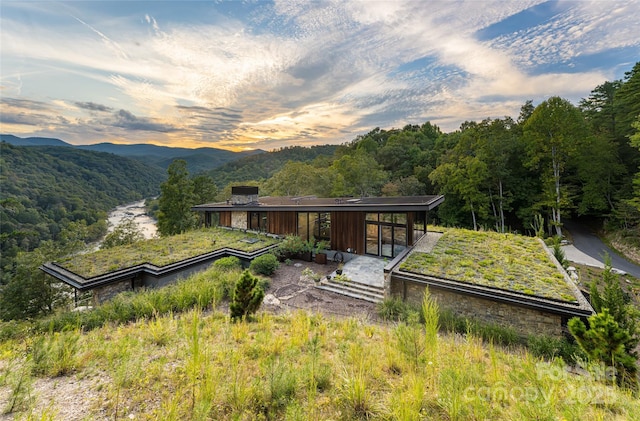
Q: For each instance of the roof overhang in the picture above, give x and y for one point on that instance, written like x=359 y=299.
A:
x=313 y=204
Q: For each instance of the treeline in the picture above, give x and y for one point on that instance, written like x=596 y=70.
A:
x=266 y=164
x=554 y=160
x=48 y=190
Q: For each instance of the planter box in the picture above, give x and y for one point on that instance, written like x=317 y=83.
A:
x=321 y=258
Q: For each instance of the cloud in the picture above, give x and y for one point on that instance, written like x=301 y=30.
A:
x=262 y=73
x=91 y=106
x=127 y=120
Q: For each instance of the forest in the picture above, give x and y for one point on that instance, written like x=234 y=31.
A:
x=553 y=161
x=47 y=189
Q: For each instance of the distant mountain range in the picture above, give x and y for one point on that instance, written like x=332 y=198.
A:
x=198 y=160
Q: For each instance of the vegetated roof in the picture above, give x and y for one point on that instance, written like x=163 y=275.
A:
x=504 y=261
x=316 y=204
x=164 y=251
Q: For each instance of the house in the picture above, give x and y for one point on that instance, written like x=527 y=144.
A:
x=375 y=226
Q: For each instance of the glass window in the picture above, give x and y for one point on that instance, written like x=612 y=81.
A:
x=372 y=217
x=303 y=225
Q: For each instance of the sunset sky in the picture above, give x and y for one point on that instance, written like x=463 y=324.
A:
x=266 y=74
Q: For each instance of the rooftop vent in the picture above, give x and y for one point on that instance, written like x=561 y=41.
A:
x=244 y=195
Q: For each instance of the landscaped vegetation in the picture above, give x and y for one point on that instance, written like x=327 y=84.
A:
x=164 y=251
x=506 y=261
x=299 y=366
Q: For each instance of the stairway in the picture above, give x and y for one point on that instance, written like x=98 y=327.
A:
x=353 y=289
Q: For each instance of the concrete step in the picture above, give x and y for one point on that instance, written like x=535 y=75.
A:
x=353 y=289
x=356 y=285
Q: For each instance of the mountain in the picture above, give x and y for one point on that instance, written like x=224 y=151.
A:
x=45 y=188
x=198 y=160
x=32 y=141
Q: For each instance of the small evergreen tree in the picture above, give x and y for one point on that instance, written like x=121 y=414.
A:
x=604 y=342
x=612 y=297
x=247 y=296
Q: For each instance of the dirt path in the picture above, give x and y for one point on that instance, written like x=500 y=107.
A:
x=290 y=290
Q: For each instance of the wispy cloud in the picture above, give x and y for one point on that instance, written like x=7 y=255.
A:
x=268 y=74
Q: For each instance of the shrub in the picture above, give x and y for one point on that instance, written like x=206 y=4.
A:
x=265 y=264
x=228 y=263
x=247 y=297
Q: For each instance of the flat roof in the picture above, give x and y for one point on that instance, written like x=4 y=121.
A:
x=316 y=204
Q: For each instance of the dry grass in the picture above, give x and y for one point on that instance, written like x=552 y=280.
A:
x=304 y=366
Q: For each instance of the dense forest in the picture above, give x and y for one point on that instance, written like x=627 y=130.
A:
x=527 y=173
x=46 y=189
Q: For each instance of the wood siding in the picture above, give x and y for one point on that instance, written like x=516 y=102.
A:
x=347 y=231
x=282 y=223
x=225 y=219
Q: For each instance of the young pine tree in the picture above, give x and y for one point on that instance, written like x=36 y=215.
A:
x=247 y=297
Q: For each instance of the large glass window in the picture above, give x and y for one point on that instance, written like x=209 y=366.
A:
x=386 y=234
x=314 y=225
x=258 y=221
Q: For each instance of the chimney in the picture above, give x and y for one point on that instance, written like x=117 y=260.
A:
x=244 y=195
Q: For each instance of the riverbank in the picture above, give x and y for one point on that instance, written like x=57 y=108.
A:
x=138 y=213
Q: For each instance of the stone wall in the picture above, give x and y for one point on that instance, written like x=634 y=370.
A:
x=524 y=320
x=239 y=220
x=104 y=293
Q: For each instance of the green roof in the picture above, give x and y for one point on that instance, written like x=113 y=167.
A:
x=506 y=261
x=164 y=251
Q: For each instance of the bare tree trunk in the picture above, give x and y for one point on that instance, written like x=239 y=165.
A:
x=473 y=216
x=556 y=176
x=501 y=207
x=495 y=212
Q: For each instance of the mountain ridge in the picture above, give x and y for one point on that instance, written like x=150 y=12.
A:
x=198 y=159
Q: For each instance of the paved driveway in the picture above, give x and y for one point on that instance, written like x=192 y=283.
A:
x=589 y=250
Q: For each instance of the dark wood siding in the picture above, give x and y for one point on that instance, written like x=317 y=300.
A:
x=347 y=231
x=282 y=223
x=225 y=219
x=410 y=218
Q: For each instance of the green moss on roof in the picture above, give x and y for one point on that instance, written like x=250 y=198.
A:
x=506 y=261
x=163 y=251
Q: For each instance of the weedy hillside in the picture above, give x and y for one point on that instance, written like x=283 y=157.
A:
x=182 y=358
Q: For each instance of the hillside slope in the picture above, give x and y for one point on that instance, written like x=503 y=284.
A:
x=264 y=165
x=44 y=188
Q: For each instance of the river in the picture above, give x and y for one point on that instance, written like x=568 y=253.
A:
x=137 y=212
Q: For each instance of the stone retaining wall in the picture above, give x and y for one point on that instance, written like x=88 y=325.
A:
x=524 y=320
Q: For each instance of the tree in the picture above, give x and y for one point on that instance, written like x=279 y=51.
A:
x=294 y=179
x=176 y=198
x=604 y=342
x=247 y=297
x=552 y=135
x=30 y=292
x=612 y=297
x=635 y=141
x=127 y=232
x=361 y=173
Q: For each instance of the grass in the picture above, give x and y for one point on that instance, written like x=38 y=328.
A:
x=506 y=261
x=197 y=365
x=163 y=251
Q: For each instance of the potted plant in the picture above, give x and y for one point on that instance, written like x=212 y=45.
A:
x=291 y=247
x=320 y=251
x=340 y=267
x=307 y=250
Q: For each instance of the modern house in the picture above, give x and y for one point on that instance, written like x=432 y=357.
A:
x=375 y=226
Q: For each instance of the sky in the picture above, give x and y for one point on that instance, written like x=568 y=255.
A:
x=269 y=74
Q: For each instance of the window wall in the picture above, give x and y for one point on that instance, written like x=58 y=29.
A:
x=314 y=225
x=258 y=221
x=386 y=234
